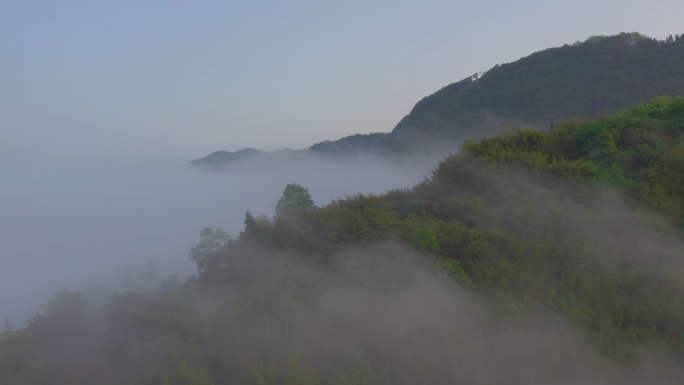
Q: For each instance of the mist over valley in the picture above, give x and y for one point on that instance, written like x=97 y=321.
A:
x=341 y=194
x=82 y=224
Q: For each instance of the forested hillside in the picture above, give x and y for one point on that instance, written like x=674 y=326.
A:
x=600 y=76
x=528 y=257
x=586 y=80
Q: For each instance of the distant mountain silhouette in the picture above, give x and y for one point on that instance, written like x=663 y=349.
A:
x=600 y=76
x=219 y=158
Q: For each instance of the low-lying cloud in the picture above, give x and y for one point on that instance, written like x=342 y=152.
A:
x=76 y=224
x=381 y=314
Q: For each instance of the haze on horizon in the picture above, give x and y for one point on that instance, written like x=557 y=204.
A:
x=136 y=80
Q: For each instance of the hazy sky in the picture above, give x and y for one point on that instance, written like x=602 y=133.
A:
x=83 y=79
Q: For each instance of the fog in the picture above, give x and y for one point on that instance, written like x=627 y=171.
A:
x=79 y=224
x=413 y=320
x=380 y=313
x=373 y=313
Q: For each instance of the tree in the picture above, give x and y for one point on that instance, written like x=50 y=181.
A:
x=62 y=317
x=295 y=200
x=211 y=243
x=259 y=228
x=9 y=330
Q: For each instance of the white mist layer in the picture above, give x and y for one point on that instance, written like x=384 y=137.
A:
x=82 y=224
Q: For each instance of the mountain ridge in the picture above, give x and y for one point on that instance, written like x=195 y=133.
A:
x=601 y=76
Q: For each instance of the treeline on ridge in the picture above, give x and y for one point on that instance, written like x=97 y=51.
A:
x=601 y=76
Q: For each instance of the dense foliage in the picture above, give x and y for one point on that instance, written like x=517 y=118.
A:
x=425 y=285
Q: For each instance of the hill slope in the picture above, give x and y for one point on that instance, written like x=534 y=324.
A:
x=601 y=76
x=551 y=256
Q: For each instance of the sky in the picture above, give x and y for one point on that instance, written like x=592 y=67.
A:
x=84 y=79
